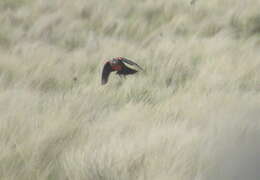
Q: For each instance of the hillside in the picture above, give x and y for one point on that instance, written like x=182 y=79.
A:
x=194 y=113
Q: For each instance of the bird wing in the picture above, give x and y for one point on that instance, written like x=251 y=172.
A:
x=131 y=63
x=107 y=69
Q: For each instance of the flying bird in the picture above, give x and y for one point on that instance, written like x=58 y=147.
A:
x=117 y=64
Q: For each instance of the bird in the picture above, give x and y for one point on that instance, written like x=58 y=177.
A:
x=117 y=64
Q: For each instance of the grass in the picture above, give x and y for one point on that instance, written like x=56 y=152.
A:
x=194 y=113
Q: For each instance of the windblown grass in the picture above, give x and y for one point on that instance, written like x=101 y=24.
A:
x=194 y=113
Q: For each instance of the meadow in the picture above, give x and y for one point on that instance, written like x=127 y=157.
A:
x=194 y=114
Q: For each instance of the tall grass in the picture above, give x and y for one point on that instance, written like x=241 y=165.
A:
x=194 y=113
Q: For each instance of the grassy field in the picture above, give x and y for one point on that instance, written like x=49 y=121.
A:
x=193 y=115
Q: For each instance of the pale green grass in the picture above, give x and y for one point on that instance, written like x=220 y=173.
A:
x=194 y=113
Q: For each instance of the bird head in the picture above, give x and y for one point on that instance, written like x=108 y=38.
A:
x=114 y=62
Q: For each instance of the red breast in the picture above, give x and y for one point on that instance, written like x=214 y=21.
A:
x=117 y=67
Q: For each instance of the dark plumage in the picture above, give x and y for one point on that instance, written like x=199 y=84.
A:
x=117 y=64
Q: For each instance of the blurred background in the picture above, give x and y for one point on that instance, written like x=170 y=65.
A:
x=194 y=114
